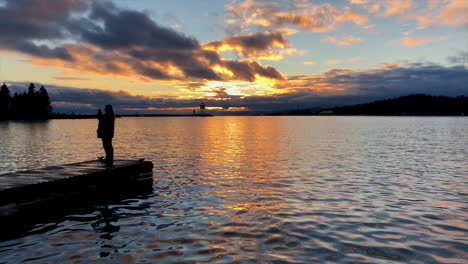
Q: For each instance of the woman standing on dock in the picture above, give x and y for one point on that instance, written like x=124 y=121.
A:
x=106 y=133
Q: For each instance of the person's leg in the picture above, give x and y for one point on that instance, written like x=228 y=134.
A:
x=104 y=145
x=109 y=149
x=110 y=161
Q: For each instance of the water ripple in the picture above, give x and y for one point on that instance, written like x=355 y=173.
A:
x=264 y=190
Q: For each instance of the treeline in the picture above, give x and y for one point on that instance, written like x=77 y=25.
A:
x=410 y=105
x=34 y=105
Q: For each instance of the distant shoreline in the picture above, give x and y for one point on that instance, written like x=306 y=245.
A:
x=80 y=116
x=410 y=105
x=86 y=116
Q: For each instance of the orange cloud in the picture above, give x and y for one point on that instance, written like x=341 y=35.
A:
x=442 y=38
x=264 y=46
x=311 y=17
x=385 y=8
x=431 y=12
x=88 y=59
x=310 y=63
x=411 y=42
x=455 y=13
x=449 y=12
x=397 y=7
x=354 y=59
x=344 y=41
x=389 y=65
x=359 y=2
x=331 y=62
x=351 y=16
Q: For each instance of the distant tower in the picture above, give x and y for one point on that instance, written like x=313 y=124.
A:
x=202 y=108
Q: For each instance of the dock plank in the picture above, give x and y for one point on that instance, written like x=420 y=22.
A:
x=28 y=191
x=54 y=173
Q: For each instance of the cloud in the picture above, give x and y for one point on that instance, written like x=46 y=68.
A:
x=431 y=12
x=331 y=62
x=126 y=29
x=397 y=7
x=101 y=38
x=25 y=22
x=355 y=59
x=385 y=8
x=383 y=82
x=64 y=78
x=249 y=44
x=346 y=40
x=246 y=70
x=310 y=63
x=455 y=12
x=359 y=2
x=460 y=58
x=333 y=88
x=310 y=17
x=260 y=45
x=411 y=42
x=450 y=12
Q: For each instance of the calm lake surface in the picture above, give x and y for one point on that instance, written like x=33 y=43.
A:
x=257 y=190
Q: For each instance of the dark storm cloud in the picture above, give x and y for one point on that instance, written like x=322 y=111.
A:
x=151 y=72
x=103 y=38
x=414 y=78
x=126 y=29
x=193 y=63
x=25 y=21
x=136 y=35
x=43 y=50
x=246 y=70
x=44 y=10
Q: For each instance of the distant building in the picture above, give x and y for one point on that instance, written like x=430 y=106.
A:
x=202 y=108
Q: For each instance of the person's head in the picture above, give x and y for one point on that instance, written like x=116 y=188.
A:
x=109 y=110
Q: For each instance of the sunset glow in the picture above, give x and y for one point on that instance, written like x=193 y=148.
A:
x=236 y=51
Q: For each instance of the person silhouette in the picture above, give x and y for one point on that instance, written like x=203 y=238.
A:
x=105 y=131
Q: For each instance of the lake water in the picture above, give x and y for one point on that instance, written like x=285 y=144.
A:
x=258 y=190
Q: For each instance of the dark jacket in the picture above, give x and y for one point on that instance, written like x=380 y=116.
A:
x=106 y=127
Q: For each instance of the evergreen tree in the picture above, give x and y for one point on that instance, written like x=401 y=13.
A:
x=31 y=89
x=28 y=105
x=31 y=103
x=16 y=105
x=44 y=103
x=19 y=105
x=5 y=102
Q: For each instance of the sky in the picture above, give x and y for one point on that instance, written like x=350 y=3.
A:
x=155 y=56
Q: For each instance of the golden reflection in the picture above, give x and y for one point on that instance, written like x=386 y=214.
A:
x=228 y=144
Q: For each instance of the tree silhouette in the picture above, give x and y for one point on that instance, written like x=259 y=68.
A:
x=5 y=102
x=415 y=104
x=44 y=106
x=33 y=105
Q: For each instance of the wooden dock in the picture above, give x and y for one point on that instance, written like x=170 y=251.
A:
x=29 y=191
